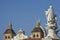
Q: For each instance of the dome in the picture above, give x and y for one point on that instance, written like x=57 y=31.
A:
x=10 y=30
x=39 y=28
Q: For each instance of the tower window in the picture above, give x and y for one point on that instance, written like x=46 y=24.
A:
x=8 y=37
x=37 y=35
x=5 y=37
x=33 y=35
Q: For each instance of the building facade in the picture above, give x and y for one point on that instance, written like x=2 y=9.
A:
x=36 y=34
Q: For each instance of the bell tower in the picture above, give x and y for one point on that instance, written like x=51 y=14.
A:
x=37 y=32
x=9 y=33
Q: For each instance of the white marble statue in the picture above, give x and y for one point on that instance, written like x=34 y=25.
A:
x=51 y=21
x=49 y=14
x=51 y=25
x=52 y=34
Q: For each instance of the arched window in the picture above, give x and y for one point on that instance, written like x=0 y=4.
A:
x=37 y=35
x=8 y=37
x=5 y=37
x=34 y=35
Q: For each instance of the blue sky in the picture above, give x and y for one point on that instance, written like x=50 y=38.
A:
x=23 y=14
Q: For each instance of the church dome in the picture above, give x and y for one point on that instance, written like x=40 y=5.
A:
x=38 y=28
x=10 y=30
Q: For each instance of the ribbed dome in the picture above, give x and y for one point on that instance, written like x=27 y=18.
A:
x=37 y=29
x=10 y=30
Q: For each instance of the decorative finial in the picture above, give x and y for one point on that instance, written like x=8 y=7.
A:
x=38 y=23
x=10 y=26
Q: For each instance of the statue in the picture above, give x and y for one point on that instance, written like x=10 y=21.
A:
x=49 y=14
x=51 y=25
x=51 y=21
